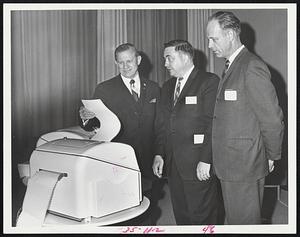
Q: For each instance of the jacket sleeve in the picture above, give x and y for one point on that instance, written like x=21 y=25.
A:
x=209 y=100
x=263 y=100
x=159 y=143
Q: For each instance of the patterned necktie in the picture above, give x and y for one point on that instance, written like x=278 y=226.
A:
x=177 y=90
x=225 y=68
x=134 y=94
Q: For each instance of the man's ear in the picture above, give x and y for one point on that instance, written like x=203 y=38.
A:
x=184 y=56
x=230 y=34
x=139 y=59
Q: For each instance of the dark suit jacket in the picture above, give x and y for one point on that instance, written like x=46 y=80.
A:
x=179 y=123
x=247 y=126
x=137 y=118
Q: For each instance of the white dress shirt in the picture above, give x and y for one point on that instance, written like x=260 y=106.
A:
x=137 y=83
x=185 y=77
x=233 y=56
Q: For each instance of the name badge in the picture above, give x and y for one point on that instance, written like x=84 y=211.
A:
x=198 y=138
x=230 y=95
x=191 y=100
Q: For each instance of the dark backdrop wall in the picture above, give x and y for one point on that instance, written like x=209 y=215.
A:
x=149 y=30
x=52 y=57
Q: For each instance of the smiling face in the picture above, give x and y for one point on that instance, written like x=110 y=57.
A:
x=218 y=40
x=128 y=63
x=175 y=61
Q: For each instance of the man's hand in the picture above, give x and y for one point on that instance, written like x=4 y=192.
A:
x=158 y=165
x=86 y=114
x=203 y=171
x=271 y=165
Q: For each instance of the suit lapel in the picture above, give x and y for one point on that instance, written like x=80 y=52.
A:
x=125 y=93
x=187 y=85
x=231 y=68
x=170 y=93
x=143 y=91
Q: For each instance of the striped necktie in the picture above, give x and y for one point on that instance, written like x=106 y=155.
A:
x=134 y=94
x=225 y=68
x=177 y=90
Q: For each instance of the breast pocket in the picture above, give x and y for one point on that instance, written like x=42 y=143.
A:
x=230 y=95
x=191 y=109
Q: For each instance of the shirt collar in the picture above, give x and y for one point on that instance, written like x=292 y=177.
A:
x=233 y=56
x=185 y=77
x=187 y=74
x=136 y=78
x=137 y=84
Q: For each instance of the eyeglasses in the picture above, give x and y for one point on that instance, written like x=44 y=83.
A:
x=127 y=62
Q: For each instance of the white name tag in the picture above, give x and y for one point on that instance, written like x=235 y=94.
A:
x=198 y=138
x=230 y=95
x=191 y=100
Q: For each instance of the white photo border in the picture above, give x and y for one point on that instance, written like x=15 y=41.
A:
x=292 y=102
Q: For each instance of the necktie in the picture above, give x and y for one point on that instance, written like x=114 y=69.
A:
x=225 y=68
x=134 y=94
x=177 y=90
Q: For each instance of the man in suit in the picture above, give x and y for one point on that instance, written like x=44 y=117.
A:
x=133 y=99
x=248 y=122
x=183 y=144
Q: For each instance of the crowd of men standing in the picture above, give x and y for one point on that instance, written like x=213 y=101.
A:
x=215 y=139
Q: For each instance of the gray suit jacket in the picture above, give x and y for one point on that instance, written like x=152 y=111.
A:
x=248 y=122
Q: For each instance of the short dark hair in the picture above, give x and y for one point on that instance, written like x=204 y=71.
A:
x=124 y=47
x=181 y=45
x=227 y=20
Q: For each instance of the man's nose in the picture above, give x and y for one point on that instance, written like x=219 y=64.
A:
x=210 y=44
x=126 y=65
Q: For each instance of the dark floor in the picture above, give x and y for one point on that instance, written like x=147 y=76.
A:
x=274 y=211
